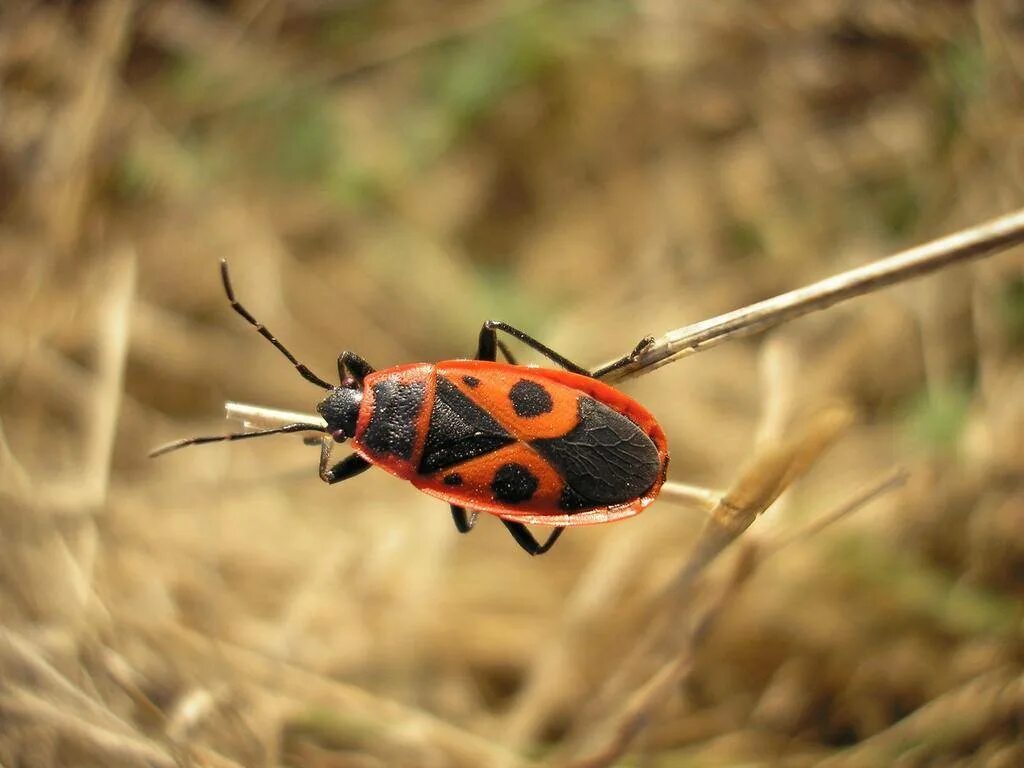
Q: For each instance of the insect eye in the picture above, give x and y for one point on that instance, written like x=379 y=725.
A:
x=339 y=436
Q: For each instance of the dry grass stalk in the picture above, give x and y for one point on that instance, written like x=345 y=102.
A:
x=642 y=705
x=280 y=678
x=117 y=748
x=952 y=722
x=895 y=479
x=63 y=184
x=554 y=667
x=14 y=478
x=21 y=659
x=99 y=395
x=767 y=475
x=112 y=356
x=981 y=240
x=695 y=496
x=258 y=417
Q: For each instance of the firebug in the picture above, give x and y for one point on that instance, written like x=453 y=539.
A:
x=527 y=444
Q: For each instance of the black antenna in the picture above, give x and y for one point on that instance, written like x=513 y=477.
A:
x=307 y=374
x=234 y=436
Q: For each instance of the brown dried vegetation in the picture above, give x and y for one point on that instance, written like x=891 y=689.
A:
x=384 y=176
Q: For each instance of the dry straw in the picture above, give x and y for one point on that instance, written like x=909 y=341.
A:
x=981 y=240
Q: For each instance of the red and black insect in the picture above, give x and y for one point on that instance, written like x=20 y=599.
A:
x=529 y=445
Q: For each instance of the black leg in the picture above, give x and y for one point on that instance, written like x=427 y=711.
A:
x=348 y=467
x=604 y=370
x=307 y=374
x=526 y=540
x=487 y=349
x=351 y=364
x=507 y=352
x=492 y=351
x=464 y=521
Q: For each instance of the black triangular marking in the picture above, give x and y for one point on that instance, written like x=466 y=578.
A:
x=460 y=430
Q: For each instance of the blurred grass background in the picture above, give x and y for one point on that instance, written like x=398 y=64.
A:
x=385 y=175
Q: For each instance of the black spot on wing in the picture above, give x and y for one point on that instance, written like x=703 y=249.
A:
x=530 y=399
x=513 y=483
x=605 y=459
x=471 y=381
x=392 y=427
x=459 y=430
x=453 y=478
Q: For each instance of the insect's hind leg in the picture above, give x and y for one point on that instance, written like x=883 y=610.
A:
x=526 y=540
x=464 y=521
x=487 y=348
x=506 y=352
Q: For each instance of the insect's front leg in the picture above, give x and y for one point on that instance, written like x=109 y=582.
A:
x=350 y=466
x=351 y=364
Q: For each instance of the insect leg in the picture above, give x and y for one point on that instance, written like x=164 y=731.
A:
x=464 y=521
x=351 y=364
x=625 y=360
x=526 y=540
x=493 y=351
x=348 y=467
x=488 y=346
x=506 y=352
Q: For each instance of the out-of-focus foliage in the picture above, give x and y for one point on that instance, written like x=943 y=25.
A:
x=383 y=176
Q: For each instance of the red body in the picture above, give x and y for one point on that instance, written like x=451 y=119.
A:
x=488 y=386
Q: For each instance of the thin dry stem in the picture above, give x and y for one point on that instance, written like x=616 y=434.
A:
x=555 y=663
x=640 y=707
x=463 y=747
x=895 y=479
x=696 y=496
x=112 y=354
x=22 y=660
x=767 y=475
x=63 y=190
x=952 y=720
x=119 y=748
x=258 y=417
x=12 y=474
x=974 y=242
x=637 y=712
